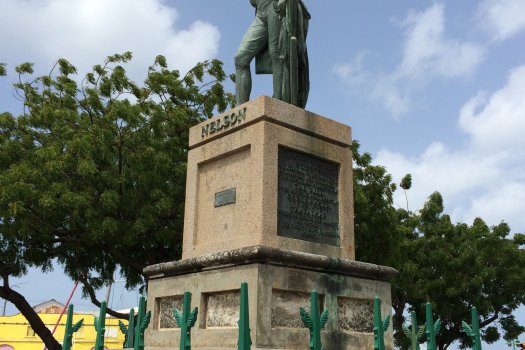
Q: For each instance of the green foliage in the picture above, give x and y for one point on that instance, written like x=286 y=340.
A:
x=376 y=219
x=93 y=173
x=453 y=265
x=2 y=69
x=406 y=182
x=24 y=68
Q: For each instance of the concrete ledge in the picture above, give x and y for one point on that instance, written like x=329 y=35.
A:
x=272 y=256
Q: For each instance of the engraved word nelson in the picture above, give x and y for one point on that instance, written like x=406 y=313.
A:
x=224 y=123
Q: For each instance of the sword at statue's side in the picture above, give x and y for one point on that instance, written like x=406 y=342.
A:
x=293 y=16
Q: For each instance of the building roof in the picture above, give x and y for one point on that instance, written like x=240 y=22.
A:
x=49 y=307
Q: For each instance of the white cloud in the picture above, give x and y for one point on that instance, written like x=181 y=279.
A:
x=86 y=31
x=427 y=56
x=502 y=202
x=498 y=122
x=428 y=52
x=393 y=94
x=453 y=173
x=502 y=18
x=353 y=73
x=486 y=177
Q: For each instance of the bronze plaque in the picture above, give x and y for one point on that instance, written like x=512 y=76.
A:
x=308 y=206
x=225 y=197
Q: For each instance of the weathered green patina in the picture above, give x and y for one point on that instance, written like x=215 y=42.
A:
x=245 y=341
x=315 y=321
x=415 y=332
x=100 y=327
x=380 y=325
x=141 y=323
x=185 y=320
x=129 y=330
x=431 y=328
x=472 y=330
x=277 y=39
x=70 y=329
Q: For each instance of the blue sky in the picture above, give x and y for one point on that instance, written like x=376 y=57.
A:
x=431 y=88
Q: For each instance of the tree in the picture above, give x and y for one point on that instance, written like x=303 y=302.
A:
x=93 y=174
x=456 y=266
x=377 y=228
x=453 y=265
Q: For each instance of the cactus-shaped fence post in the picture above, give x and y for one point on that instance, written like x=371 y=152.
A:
x=129 y=330
x=185 y=320
x=315 y=321
x=473 y=329
x=70 y=329
x=245 y=341
x=100 y=327
x=415 y=332
x=380 y=325
x=130 y=335
x=141 y=323
x=431 y=328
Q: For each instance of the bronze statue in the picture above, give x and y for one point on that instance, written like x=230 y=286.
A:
x=277 y=41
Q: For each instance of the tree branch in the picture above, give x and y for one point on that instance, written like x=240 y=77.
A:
x=31 y=316
x=489 y=320
x=93 y=297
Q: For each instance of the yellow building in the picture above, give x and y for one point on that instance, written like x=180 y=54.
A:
x=17 y=334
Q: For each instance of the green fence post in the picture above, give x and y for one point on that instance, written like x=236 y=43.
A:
x=70 y=329
x=415 y=332
x=100 y=327
x=185 y=321
x=141 y=323
x=245 y=341
x=380 y=325
x=129 y=330
x=314 y=322
x=473 y=329
x=431 y=328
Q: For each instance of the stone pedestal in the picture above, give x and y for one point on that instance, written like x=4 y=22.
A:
x=268 y=202
x=244 y=154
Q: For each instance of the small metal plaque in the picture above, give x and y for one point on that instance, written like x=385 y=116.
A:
x=225 y=197
x=308 y=206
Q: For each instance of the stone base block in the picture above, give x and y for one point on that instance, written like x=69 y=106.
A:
x=278 y=176
x=280 y=283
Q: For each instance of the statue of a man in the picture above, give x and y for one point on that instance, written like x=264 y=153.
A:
x=277 y=39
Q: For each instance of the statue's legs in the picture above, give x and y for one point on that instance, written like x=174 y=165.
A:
x=254 y=41
x=274 y=32
x=264 y=31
